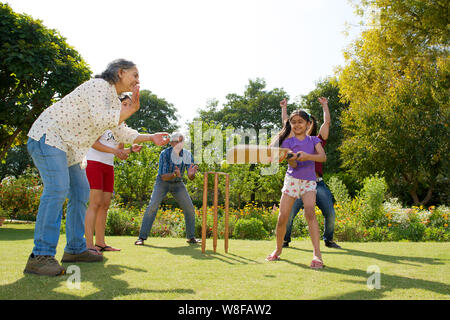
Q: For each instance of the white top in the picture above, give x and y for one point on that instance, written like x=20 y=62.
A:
x=108 y=140
x=76 y=121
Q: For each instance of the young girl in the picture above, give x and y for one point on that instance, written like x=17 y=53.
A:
x=300 y=180
x=100 y=174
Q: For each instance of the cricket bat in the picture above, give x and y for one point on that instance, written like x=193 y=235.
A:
x=248 y=154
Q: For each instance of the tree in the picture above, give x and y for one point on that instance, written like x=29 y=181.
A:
x=396 y=81
x=256 y=109
x=327 y=88
x=37 y=67
x=135 y=177
x=154 y=115
x=16 y=162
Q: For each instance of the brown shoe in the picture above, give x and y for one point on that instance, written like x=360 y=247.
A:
x=44 y=266
x=86 y=256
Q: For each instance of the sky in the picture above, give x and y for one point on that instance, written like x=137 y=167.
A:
x=192 y=51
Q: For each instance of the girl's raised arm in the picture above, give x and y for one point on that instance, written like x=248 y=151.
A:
x=325 y=127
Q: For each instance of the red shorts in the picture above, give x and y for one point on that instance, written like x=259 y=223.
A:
x=100 y=176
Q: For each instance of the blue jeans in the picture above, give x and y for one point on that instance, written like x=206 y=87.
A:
x=60 y=182
x=179 y=192
x=324 y=200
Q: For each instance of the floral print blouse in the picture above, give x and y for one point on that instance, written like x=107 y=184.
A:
x=76 y=121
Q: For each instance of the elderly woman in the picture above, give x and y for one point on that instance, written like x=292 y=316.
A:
x=58 y=141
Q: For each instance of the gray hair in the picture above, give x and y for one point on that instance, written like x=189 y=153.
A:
x=111 y=74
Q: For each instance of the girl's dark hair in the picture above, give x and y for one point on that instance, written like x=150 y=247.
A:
x=111 y=74
x=284 y=133
x=313 y=129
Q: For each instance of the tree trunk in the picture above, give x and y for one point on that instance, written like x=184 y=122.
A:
x=413 y=186
x=427 y=197
x=414 y=196
x=6 y=145
x=416 y=199
x=253 y=194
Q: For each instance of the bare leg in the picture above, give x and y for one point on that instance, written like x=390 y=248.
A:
x=286 y=203
x=95 y=200
x=309 y=201
x=100 y=223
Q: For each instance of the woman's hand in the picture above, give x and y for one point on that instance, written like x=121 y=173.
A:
x=121 y=154
x=128 y=110
x=136 y=148
x=160 y=138
x=135 y=103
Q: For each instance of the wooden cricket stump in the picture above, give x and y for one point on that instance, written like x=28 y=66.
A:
x=216 y=200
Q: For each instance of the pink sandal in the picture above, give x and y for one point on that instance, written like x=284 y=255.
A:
x=317 y=264
x=272 y=257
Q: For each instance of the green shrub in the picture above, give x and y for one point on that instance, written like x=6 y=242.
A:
x=436 y=234
x=198 y=225
x=122 y=222
x=231 y=226
x=349 y=181
x=377 y=234
x=20 y=196
x=269 y=220
x=438 y=216
x=339 y=190
x=372 y=196
x=252 y=229
x=348 y=230
x=134 y=178
x=412 y=230
x=299 y=226
x=4 y=213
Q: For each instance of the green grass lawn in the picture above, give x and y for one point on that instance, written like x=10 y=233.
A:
x=169 y=268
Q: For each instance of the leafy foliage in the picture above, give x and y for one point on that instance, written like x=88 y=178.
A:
x=261 y=106
x=20 y=196
x=250 y=229
x=16 y=163
x=134 y=178
x=372 y=196
x=155 y=114
x=37 y=67
x=396 y=81
x=327 y=88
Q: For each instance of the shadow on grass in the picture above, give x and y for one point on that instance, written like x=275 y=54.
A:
x=195 y=251
x=103 y=278
x=388 y=282
x=412 y=261
x=10 y=233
